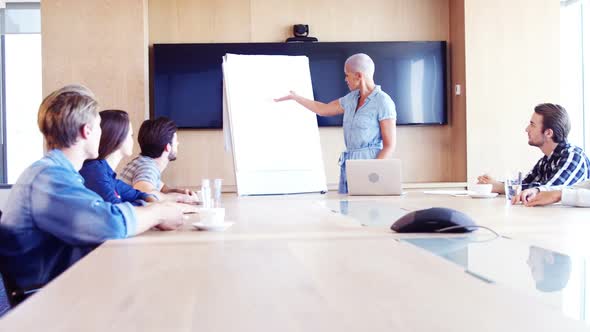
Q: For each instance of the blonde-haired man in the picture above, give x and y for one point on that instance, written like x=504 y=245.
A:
x=51 y=219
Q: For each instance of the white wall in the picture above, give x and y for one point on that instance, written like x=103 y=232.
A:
x=512 y=64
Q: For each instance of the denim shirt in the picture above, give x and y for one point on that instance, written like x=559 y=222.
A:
x=100 y=178
x=362 y=129
x=51 y=220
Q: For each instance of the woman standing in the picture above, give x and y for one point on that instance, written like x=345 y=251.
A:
x=369 y=115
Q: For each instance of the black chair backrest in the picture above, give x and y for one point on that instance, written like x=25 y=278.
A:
x=4 y=303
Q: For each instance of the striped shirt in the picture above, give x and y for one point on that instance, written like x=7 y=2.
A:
x=142 y=168
x=566 y=166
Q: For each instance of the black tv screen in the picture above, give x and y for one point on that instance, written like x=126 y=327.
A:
x=188 y=79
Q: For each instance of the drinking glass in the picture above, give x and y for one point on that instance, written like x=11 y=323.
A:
x=513 y=185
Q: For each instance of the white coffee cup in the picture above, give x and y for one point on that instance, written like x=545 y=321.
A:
x=480 y=188
x=212 y=216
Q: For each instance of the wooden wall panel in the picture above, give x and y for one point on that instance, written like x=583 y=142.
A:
x=104 y=44
x=457 y=157
x=101 y=44
x=424 y=150
x=510 y=60
x=346 y=20
x=199 y=21
x=512 y=52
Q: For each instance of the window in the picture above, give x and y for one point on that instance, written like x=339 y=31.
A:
x=20 y=55
x=575 y=68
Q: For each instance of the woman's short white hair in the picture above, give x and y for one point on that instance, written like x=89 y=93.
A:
x=360 y=63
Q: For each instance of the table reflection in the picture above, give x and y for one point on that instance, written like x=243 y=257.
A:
x=554 y=278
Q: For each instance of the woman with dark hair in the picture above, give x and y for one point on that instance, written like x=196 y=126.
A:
x=116 y=143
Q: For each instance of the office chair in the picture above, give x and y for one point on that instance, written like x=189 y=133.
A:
x=4 y=303
x=10 y=294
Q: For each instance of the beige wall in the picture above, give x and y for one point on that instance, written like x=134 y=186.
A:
x=105 y=44
x=512 y=64
x=101 y=44
x=458 y=143
x=506 y=55
x=426 y=151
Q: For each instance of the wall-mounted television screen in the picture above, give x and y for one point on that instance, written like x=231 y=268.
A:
x=188 y=79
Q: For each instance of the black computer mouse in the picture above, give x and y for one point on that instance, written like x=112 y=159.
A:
x=434 y=220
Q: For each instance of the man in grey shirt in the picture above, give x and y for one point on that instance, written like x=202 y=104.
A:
x=158 y=141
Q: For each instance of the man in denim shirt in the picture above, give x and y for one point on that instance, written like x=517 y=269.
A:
x=51 y=219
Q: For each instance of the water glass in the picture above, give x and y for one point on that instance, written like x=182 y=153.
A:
x=206 y=193
x=513 y=186
x=217 y=192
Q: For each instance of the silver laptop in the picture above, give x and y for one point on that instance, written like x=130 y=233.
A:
x=374 y=177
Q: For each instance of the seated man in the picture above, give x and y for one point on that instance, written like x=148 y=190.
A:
x=51 y=219
x=576 y=195
x=563 y=163
x=158 y=142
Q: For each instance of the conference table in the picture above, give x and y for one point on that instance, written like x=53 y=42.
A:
x=330 y=263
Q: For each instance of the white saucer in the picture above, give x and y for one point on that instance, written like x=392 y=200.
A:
x=213 y=227
x=490 y=195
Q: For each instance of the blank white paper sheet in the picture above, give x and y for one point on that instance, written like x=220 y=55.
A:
x=276 y=146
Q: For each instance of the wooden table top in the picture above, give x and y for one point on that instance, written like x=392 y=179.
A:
x=296 y=263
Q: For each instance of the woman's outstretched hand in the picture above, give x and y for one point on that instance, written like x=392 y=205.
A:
x=291 y=96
